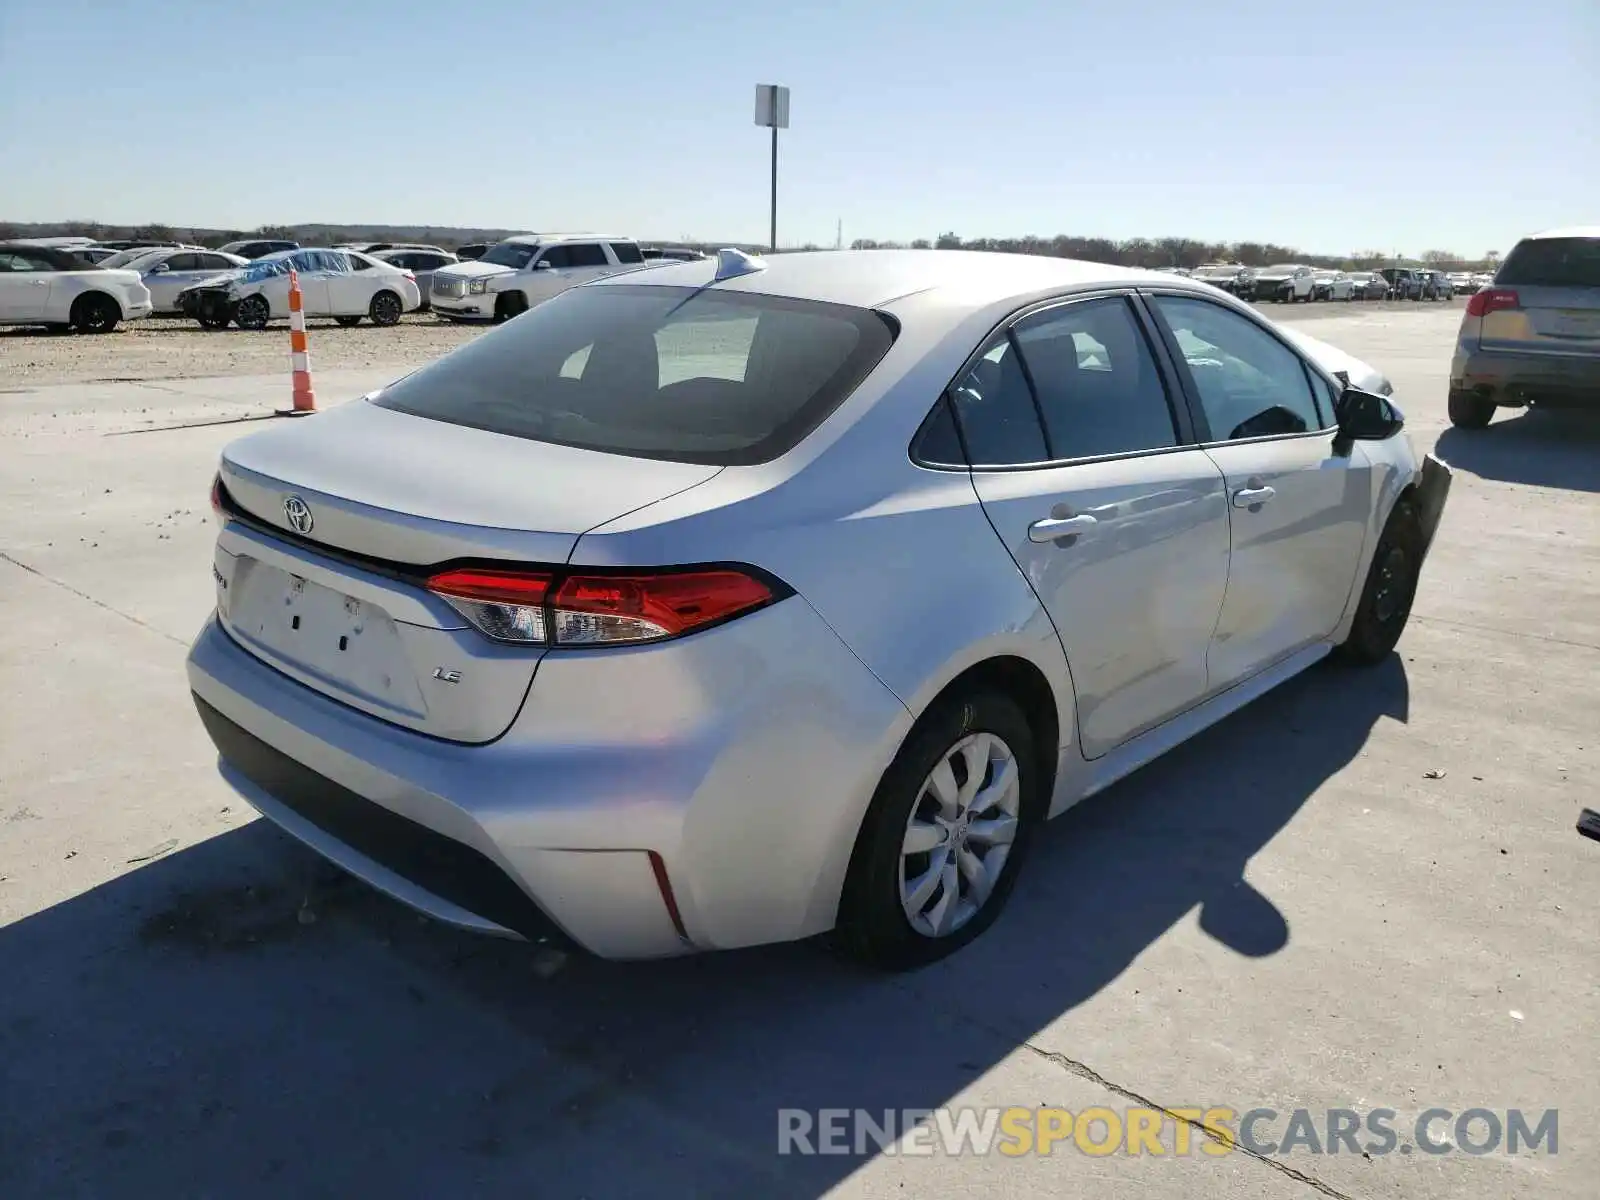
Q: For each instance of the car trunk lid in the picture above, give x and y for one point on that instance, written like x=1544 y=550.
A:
x=340 y=520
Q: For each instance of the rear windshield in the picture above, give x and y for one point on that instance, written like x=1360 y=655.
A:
x=1552 y=262
x=685 y=374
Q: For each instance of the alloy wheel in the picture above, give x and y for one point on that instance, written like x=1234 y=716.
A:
x=959 y=835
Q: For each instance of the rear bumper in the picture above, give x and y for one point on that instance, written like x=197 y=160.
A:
x=1514 y=379
x=647 y=802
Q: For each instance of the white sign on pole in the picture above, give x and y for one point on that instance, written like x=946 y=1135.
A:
x=772 y=106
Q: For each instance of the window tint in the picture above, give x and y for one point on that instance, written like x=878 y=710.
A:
x=654 y=372
x=995 y=407
x=183 y=262
x=627 y=252
x=938 y=444
x=516 y=255
x=358 y=262
x=213 y=262
x=1552 y=262
x=1249 y=383
x=20 y=261
x=557 y=256
x=1098 y=388
x=587 y=254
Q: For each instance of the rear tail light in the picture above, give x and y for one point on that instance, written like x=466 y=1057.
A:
x=1493 y=299
x=546 y=608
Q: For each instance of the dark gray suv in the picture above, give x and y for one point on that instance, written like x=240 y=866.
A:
x=1533 y=335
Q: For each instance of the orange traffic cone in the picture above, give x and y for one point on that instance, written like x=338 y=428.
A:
x=305 y=400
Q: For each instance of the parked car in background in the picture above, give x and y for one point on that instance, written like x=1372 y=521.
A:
x=675 y=253
x=1436 y=285
x=1331 y=285
x=520 y=272
x=380 y=247
x=1533 y=335
x=1368 y=285
x=91 y=256
x=254 y=248
x=1286 y=281
x=421 y=263
x=702 y=631
x=1462 y=283
x=1482 y=279
x=169 y=273
x=471 y=251
x=42 y=285
x=341 y=284
x=1230 y=277
x=1404 y=283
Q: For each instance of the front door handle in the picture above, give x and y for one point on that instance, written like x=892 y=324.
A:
x=1052 y=528
x=1250 y=497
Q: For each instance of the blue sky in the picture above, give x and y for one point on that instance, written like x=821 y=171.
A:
x=1403 y=125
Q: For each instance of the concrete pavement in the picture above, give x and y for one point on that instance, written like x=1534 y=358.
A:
x=1364 y=891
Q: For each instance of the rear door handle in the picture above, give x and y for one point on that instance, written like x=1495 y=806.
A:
x=1051 y=528
x=1249 y=497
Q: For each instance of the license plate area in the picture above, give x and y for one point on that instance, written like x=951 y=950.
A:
x=1574 y=325
x=334 y=642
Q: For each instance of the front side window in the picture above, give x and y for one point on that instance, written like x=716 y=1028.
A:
x=183 y=262
x=1249 y=383
x=557 y=257
x=1096 y=380
x=681 y=374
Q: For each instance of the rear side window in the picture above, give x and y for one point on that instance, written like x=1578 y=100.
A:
x=1552 y=262
x=994 y=404
x=627 y=252
x=586 y=254
x=687 y=375
x=1098 y=387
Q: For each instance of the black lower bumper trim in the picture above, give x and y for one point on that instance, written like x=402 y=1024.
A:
x=449 y=869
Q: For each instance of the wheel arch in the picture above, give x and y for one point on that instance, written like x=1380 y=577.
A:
x=93 y=293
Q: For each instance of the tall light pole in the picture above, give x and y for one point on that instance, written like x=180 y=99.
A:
x=772 y=111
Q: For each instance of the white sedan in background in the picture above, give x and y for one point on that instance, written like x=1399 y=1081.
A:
x=41 y=285
x=169 y=272
x=341 y=284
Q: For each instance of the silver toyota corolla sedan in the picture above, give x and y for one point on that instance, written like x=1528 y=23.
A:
x=737 y=601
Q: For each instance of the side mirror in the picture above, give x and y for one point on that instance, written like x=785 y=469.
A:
x=1367 y=416
x=542 y=265
x=160 y=268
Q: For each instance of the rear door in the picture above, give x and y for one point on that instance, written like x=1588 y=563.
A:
x=1298 y=507
x=1557 y=286
x=1082 y=458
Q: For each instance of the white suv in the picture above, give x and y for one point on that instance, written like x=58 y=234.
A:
x=42 y=285
x=521 y=271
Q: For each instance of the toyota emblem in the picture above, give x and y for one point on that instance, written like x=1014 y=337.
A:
x=297 y=513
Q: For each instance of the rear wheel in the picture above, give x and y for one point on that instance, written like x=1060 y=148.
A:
x=348 y=322
x=945 y=835
x=253 y=312
x=95 y=313
x=385 y=309
x=1468 y=411
x=1391 y=586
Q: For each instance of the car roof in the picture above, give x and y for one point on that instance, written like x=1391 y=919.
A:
x=1571 y=231
x=548 y=239
x=965 y=279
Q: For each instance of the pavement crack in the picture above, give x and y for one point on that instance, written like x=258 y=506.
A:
x=1083 y=1071
x=1519 y=633
x=67 y=587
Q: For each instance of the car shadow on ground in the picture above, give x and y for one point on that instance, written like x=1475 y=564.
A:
x=1557 y=448
x=237 y=1019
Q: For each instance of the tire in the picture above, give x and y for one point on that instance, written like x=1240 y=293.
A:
x=509 y=305
x=253 y=312
x=213 y=321
x=1390 y=588
x=1470 y=412
x=385 y=309
x=348 y=322
x=874 y=925
x=95 y=313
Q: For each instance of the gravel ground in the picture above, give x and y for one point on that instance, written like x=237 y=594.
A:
x=174 y=348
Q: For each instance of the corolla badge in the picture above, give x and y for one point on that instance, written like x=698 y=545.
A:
x=298 y=513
